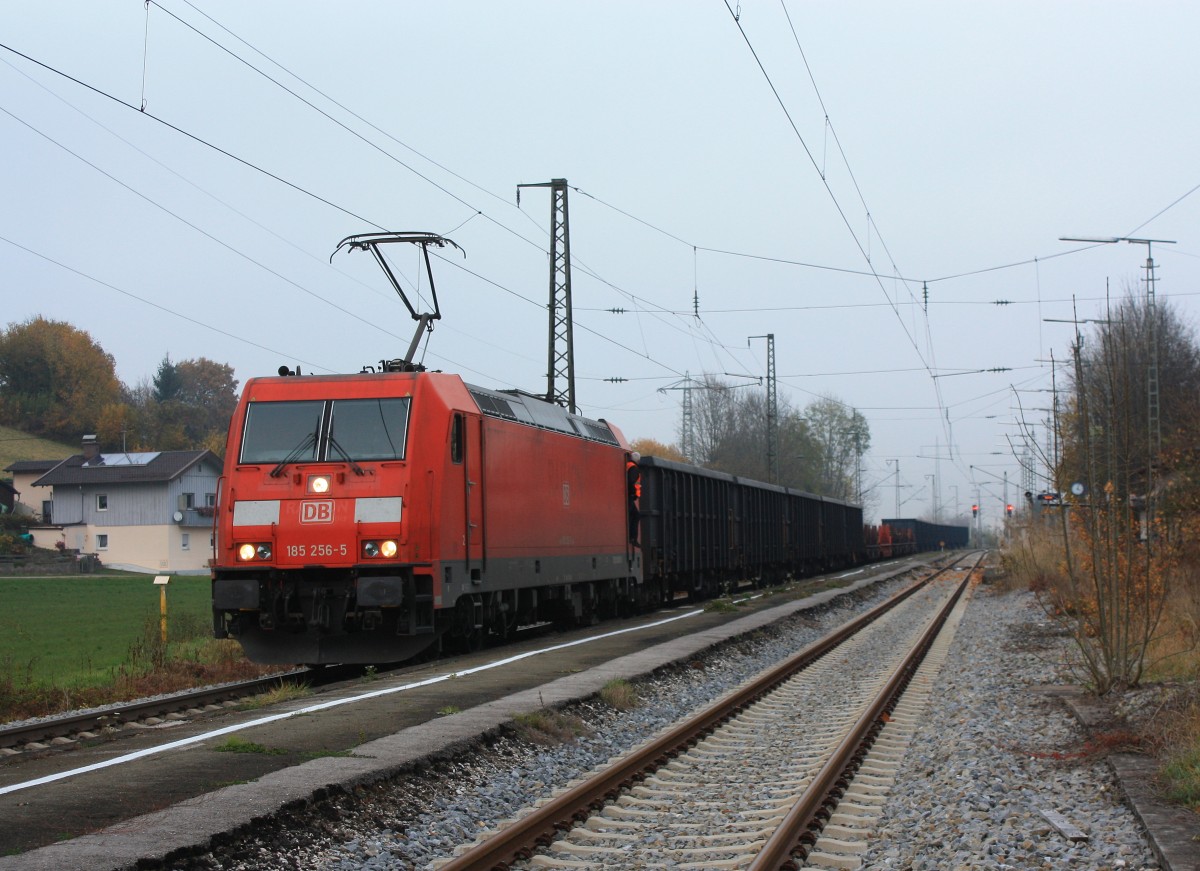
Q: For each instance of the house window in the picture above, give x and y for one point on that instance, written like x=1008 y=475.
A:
x=185 y=540
x=102 y=541
x=210 y=499
x=101 y=501
x=189 y=500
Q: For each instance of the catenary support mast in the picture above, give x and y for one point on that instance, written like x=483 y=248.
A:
x=560 y=366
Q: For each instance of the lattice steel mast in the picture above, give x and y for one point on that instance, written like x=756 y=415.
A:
x=687 y=429
x=772 y=411
x=560 y=366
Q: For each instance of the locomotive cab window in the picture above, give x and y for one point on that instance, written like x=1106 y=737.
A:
x=325 y=431
x=279 y=431
x=367 y=429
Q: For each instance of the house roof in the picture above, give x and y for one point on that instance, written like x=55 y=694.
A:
x=42 y=466
x=159 y=467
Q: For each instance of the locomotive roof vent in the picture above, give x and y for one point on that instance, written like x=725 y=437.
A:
x=527 y=408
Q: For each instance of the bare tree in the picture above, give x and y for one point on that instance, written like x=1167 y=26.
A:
x=1119 y=562
x=714 y=412
x=818 y=450
x=841 y=435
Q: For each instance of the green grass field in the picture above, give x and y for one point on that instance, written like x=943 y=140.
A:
x=17 y=445
x=75 y=631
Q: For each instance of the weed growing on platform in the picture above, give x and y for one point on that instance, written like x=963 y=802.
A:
x=234 y=744
x=620 y=694
x=285 y=692
x=547 y=727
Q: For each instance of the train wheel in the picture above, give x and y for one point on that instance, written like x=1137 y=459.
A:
x=467 y=627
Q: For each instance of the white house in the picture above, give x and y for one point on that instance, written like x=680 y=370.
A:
x=148 y=511
x=32 y=501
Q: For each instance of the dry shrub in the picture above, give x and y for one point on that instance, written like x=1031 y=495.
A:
x=151 y=668
x=620 y=695
x=1033 y=559
x=1174 y=653
x=547 y=727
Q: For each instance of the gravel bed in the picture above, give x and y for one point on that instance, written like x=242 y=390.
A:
x=988 y=759
x=992 y=754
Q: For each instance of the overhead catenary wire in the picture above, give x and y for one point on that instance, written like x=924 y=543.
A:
x=929 y=363
x=160 y=306
x=228 y=247
x=476 y=212
x=249 y=165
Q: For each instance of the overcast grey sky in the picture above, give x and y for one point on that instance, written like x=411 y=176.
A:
x=933 y=142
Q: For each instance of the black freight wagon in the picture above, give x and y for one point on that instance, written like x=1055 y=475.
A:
x=701 y=529
x=932 y=536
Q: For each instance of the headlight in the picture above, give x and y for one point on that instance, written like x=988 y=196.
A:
x=248 y=552
x=319 y=483
x=386 y=549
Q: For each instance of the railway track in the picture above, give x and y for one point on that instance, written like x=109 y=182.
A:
x=66 y=731
x=750 y=781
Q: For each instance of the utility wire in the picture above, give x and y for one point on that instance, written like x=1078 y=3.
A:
x=225 y=204
x=193 y=137
x=266 y=173
x=159 y=306
x=476 y=211
x=838 y=206
x=197 y=228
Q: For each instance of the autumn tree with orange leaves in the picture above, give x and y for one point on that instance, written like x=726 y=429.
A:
x=1127 y=533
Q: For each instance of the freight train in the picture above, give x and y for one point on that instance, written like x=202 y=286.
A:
x=364 y=518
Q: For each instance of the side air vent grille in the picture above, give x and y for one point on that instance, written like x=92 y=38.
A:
x=493 y=405
x=592 y=430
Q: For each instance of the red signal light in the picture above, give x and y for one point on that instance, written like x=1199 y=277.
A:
x=974 y=510
x=1009 y=510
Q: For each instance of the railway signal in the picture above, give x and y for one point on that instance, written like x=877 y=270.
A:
x=974 y=510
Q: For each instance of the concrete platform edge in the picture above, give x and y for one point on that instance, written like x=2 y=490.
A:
x=1171 y=830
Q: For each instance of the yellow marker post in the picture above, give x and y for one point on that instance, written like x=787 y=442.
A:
x=162 y=581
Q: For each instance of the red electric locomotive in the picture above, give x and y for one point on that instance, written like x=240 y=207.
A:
x=363 y=516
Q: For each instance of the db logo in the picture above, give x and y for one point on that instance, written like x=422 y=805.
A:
x=316 y=512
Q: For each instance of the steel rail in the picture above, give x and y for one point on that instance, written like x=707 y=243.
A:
x=539 y=828
x=803 y=823
x=118 y=715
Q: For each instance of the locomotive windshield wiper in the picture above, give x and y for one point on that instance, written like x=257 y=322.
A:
x=304 y=445
x=333 y=443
